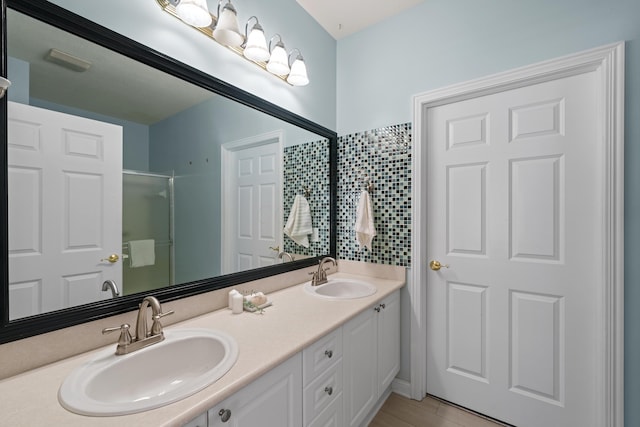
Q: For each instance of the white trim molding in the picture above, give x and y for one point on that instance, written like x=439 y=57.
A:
x=608 y=64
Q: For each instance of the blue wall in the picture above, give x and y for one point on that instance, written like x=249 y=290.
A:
x=18 y=75
x=441 y=42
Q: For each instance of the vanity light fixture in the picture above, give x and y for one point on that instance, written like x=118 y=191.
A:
x=255 y=48
x=251 y=45
x=226 y=31
x=279 y=61
x=194 y=12
x=298 y=74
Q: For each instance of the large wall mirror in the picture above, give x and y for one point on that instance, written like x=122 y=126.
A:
x=126 y=168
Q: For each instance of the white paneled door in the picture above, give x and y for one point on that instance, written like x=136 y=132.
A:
x=253 y=204
x=65 y=209
x=514 y=216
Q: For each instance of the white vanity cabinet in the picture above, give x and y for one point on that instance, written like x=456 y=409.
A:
x=371 y=344
x=334 y=382
x=274 y=399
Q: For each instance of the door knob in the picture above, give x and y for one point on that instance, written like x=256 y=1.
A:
x=111 y=258
x=436 y=265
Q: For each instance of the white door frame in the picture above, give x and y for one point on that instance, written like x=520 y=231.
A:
x=608 y=64
x=227 y=214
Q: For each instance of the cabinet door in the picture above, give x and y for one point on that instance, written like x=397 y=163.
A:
x=360 y=366
x=388 y=341
x=275 y=399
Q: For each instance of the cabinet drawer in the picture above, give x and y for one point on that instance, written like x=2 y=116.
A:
x=321 y=355
x=331 y=416
x=322 y=392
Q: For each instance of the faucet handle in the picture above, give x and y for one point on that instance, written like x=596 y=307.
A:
x=125 y=335
x=156 y=327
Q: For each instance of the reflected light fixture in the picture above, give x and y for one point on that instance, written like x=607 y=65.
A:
x=279 y=62
x=4 y=85
x=194 y=12
x=298 y=75
x=255 y=48
x=252 y=45
x=226 y=31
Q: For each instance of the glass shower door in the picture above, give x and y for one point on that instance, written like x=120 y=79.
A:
x=147 y=232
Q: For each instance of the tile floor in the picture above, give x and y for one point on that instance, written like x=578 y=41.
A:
x=398 y=411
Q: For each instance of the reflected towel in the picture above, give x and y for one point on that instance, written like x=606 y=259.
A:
x=142 y=252
x=365 y=227
x=298 y=225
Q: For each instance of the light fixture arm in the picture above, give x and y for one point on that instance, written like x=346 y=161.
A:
x=256 y=26
x=228 y=5
x=295 y=49
x=279 y=43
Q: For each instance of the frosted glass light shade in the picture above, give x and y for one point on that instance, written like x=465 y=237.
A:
x=256 y=48
x=279 y=62
x=298 y=75
x=226 y=31
x=194 y=12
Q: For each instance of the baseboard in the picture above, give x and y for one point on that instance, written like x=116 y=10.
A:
x=401 y=387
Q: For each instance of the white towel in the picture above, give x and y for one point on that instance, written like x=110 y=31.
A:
x=298 y=225
x=142 y=252
x=365 y=228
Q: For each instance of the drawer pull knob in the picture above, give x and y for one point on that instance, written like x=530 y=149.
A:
x=383 y=305
x=377 y=309
x=225 y=415
x=328 y=390
x=329 y=353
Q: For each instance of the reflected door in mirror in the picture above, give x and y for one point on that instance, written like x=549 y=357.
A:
x=253 y=204
x=65 y=204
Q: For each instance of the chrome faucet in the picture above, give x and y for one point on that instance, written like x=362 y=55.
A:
x=110 y=285
x=144 y=337
x=320 y=276
x=281 y=255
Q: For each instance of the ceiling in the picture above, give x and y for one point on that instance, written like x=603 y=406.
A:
x=114 y=85
x=344 y=17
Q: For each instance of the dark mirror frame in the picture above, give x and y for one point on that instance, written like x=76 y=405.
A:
x=84 y=28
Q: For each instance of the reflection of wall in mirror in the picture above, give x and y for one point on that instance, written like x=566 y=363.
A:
x=190 y=144
x=307 y=165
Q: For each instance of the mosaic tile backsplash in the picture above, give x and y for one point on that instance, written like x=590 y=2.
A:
x=307 y=165
x=382 y=156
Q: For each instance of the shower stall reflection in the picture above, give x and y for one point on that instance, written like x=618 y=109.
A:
x=147 y=231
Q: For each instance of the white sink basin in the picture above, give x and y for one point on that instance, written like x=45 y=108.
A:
x=341 y=289
x=187 y=361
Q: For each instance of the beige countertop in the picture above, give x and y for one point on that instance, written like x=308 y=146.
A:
x=295 y=320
